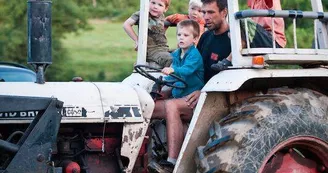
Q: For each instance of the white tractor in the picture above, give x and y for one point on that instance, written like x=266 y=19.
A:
x=249 y=118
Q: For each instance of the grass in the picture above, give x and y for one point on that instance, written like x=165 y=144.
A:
x=104 y=53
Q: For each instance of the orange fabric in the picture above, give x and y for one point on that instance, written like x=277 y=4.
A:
x=266 y=22
x=176 y=18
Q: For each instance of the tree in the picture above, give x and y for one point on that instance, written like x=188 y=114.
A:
x=122 y=9
x=66 y=17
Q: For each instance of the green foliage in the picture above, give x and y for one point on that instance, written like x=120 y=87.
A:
x=180 y=6
x=105 y=53
x=102 y=54
x=122 y=9
x=13 y=31
x=305 y=27
x=66 y=17
x=304 y=30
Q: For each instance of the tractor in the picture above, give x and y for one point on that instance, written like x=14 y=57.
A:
x=249 y=117
x=68 y=127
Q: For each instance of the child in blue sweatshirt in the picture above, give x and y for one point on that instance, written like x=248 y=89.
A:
x=188 y=65
x=187 y=61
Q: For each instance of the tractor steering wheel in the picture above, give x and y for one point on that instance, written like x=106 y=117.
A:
x=141 y=70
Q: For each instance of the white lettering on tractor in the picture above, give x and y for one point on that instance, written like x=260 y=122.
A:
x=31 y=114
x=25 y=114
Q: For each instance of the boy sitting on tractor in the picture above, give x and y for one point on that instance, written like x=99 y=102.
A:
x=188 y=65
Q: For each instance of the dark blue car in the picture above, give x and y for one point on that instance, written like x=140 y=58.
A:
x=11 y=72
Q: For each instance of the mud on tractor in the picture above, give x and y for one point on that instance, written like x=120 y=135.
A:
x=249 y=118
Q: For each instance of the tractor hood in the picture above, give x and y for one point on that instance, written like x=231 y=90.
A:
x=86 y=102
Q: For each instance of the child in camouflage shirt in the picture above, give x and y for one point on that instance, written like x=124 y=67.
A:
x=157 y=48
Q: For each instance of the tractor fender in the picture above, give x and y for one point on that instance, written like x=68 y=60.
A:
x=147 y=103
x=134 y=133
x=232 y=80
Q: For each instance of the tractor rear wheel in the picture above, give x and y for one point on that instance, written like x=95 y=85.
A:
x=278 y=132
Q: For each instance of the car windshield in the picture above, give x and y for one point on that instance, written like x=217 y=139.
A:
x=16 y=75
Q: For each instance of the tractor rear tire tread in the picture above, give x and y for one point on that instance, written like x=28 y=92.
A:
x=260 y=123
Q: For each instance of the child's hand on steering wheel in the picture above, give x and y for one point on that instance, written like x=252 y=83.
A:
x=167 y=70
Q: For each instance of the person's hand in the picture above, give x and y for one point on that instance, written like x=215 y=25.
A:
x=167 y=70
x=192 y=99
x=136 y=45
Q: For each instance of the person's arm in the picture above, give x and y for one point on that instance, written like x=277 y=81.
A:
x=167 y=24
x=170 y=20
x=128 y=28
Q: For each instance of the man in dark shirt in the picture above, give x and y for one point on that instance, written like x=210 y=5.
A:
x=214 y=45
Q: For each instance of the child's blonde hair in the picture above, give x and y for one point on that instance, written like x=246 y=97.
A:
x=198 y=3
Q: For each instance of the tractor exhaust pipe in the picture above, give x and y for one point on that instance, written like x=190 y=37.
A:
x=39 y=37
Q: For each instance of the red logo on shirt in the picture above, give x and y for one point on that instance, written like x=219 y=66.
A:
x=214 y=56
